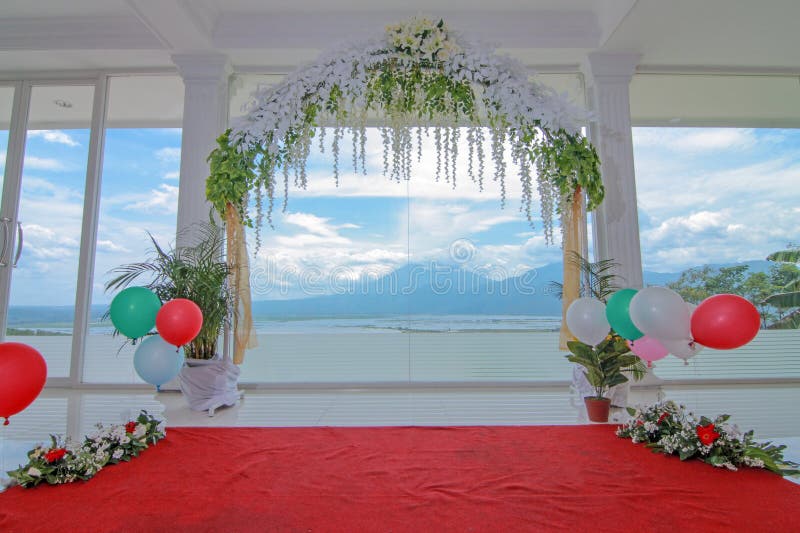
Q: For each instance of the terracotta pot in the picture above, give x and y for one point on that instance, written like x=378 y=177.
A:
x=597 y=408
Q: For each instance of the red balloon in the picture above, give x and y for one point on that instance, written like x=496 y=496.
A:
x=725 y=321
x=179 y=321
x=23 y=372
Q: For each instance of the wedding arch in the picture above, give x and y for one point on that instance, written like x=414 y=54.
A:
x=417 y=76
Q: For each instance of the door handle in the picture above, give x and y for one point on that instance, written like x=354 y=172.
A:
x=20 y=237
x=6 y=235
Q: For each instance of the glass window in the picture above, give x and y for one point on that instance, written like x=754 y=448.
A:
x=6 y=103
x=42 y=297
x=139 y=195
x=383 y=281
x=713 y=204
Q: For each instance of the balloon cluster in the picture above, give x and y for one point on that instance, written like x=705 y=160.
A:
x=656 y=322
x=136 y=310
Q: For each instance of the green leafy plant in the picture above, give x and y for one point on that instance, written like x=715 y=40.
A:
x=789 y=295
x=667 y=428
x=598 y=279
x=196 y=273
x=419 y=76
x=65 y=461
x=606 y=363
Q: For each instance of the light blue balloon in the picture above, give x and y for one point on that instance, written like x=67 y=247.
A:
x=156 y=361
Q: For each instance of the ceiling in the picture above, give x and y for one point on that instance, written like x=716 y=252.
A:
x=124 y=34
x=715 y=62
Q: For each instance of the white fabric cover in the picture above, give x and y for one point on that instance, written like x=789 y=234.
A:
x=208 y=385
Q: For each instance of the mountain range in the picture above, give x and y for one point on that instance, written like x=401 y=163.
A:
x=418 y=289
x=413 y=289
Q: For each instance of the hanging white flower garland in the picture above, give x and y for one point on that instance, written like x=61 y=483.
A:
x=417 y=79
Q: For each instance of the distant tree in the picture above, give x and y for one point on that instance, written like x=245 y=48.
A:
x=786 y=278
x=697 y=284
x=757 y=287
x=774 y=294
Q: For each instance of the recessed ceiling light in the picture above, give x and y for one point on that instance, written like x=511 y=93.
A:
x=62 y=103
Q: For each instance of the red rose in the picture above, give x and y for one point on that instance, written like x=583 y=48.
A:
x=54 y=455
x=639 y=423
x=130 y=427
x=662 y=417
x=707 y=435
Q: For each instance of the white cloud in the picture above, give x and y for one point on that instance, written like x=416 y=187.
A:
x=174 y=175
x=104 y=245
x=694 y=139
x=697 y=207
x=422 y=184
x=317 y=225
x=693 y=223
x=42 y=163
x=161 y=200
x=168 y=154
x=54 y=136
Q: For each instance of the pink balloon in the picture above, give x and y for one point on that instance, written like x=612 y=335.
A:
x=648 y=349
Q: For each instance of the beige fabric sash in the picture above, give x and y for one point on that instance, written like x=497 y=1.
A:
x=244 y=335
x=573 y=243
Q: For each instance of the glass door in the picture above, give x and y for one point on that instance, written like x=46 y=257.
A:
x=6 y=105
x=43 y=205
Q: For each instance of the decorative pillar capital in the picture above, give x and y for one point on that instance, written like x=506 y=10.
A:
x=203 y=66
x=610 y=67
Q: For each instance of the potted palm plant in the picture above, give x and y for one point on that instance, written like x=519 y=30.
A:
x=197 y=273
x=605 y=366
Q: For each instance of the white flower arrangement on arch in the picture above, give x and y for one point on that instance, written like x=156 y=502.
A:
x=419 y=78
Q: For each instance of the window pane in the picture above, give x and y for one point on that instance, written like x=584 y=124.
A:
x=713 y=203
x=139 y=195
x=42 y=306
x=383 y=281
x=481 y=310
x=323 y=284
x=6 y=103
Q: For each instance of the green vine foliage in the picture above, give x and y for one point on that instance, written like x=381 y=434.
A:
x=232 y=176
x=405 y=91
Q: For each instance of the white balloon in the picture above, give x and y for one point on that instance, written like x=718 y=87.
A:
x=660 y=313
x=682 y=349
x=586 y=319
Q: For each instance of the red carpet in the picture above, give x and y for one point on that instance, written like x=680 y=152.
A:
x=580 y=478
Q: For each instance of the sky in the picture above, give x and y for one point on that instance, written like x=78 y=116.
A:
x=705 y=196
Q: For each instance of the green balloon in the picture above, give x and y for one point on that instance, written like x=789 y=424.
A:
x=134 y=310
x=618 y=315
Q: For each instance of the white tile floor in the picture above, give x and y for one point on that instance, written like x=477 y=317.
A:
x=768 y=409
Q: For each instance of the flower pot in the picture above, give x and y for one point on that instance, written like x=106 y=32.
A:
x=597 y=408
x=208 y=384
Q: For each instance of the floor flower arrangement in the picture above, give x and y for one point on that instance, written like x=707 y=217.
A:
x=668 y=428
x=67 y=461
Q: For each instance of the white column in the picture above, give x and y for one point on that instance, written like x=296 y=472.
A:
x=615 y=223
x=205 y=116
